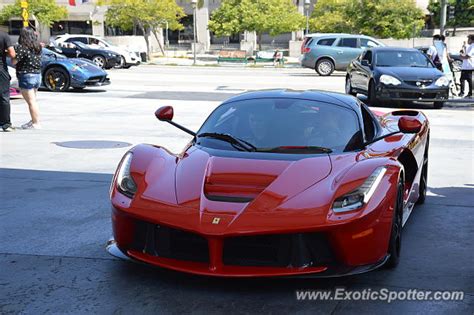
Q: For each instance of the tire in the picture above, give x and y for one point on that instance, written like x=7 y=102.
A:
x=324 y=67
x=127 y=66
x=372 y=95
x=99 y=61
x=349 y=89
x=56 y=79
x=424 y=176
x=438 y=105
x=122 y=63
x=395 y=243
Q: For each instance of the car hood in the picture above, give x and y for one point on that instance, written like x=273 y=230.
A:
x=411 y=73
x=235 y=188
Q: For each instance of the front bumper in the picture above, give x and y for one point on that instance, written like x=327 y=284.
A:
x=239 y=271
x=112 y=62
x=356 y=246
x=412 y=94
x=91 y=82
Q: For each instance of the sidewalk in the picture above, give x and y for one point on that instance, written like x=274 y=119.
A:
x=211 y=61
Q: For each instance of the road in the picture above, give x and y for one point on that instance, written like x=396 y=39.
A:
x=55 y=213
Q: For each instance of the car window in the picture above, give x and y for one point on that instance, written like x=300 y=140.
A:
x=270 y=123
x=408 y=58
x=326 y=41
x=367 y=56
x=367 y=43
x=348 y=42
x=77 y=39
x=308 y=41
x=369 y=125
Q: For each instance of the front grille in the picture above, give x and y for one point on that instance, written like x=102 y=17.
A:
x=167 y=242
x=95 y=79
x=420 y=83
x=416 y=95
x=281 y=250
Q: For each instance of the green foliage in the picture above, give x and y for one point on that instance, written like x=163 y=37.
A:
x=147 y=14
x=464 y=13
x=379 y=18
x=45 y=11
x=262 y=16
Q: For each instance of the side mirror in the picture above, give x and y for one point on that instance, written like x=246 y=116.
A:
x=165 y=113
x=365 y=63
x=408 y=124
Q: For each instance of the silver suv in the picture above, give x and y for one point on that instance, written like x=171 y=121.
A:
x=328 y=52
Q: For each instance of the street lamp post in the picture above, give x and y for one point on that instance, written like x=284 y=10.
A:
x=307 y=4
x=194 y=4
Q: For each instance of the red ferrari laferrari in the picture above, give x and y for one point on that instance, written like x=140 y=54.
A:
x=274 y=183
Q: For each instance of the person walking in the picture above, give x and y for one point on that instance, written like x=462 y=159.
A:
x=467 y=68
x=28 y=71
x=6 y=50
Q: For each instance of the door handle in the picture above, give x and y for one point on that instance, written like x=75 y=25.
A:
x=340 y=52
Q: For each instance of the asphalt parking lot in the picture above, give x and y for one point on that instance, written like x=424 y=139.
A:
x=55 y=212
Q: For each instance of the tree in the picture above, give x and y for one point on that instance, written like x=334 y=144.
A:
x=261 y=16
x=45 y=11
x=464 y=15
x=378 y=18
x=148 y=15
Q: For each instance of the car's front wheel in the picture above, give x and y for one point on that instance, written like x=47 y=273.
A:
x=99 y=61
x=121 y=64
x=395 y=243
x=349 y=89
x=372 y=95
x=57 y=79
x=324 y=67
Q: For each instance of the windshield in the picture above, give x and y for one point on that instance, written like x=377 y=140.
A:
x=402 y=59
x=287 y=124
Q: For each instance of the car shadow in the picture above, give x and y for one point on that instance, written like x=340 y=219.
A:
x=81 y=91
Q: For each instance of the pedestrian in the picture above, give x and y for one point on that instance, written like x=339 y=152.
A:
x=467 y=68
x=277 y=57
x=6 y=50
x=433 y=52
x=28 y=71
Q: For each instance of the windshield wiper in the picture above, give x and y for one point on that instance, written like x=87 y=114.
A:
x=229 y=138
x=295 y=149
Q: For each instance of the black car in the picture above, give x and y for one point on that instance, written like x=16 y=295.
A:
x=105 y=59
x=396 y=74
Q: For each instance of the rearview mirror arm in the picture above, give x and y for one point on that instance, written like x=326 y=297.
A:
x=380 y=138
x=192 y=133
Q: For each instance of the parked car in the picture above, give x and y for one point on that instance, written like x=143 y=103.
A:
x=397 y=74
x=103 y=58
x=61 y=73
x=274 y=183
x=127 y=58
x=328 y=52
x=456 y=57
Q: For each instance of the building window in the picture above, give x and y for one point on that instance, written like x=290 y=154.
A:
x=71 y=27
x=15 y=26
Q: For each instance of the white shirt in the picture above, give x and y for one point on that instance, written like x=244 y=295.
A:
x=432 y=53
x=468 y=64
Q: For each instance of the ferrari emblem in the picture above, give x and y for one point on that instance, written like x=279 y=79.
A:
x=216 y=220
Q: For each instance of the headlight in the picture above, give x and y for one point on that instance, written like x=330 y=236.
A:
x=357 y=198
x=125 y=183
x=389 y=80
x=442 y=81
